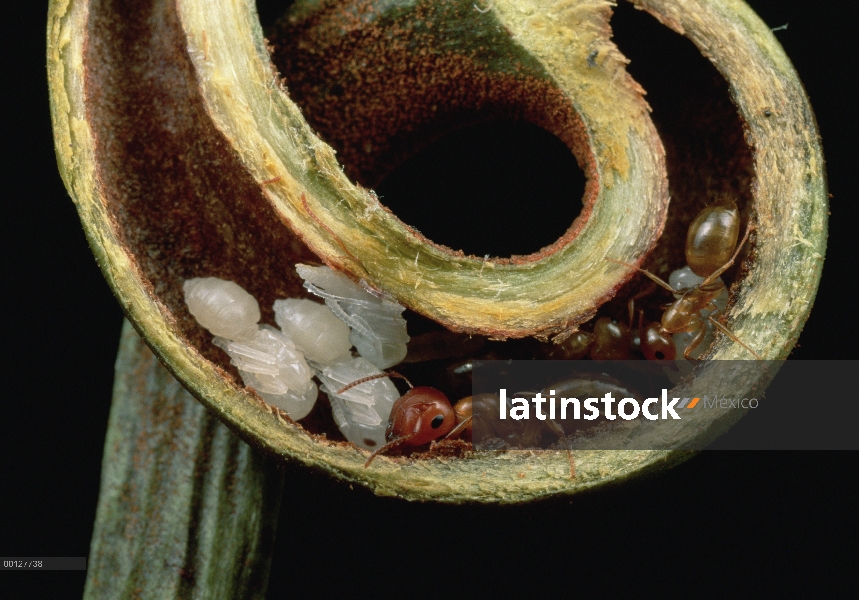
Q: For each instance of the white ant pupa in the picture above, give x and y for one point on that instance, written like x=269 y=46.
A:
x=378 y=327
x=314 y=328
x=314 y=339
x=361 y=412
x=268 y=360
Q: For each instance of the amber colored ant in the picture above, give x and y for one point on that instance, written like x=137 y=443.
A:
x=419 y=416
x=711 y=249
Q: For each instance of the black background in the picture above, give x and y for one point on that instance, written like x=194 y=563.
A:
x=722 y=523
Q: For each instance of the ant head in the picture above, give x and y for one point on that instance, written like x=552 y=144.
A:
x=657 y=344
x=424 y=414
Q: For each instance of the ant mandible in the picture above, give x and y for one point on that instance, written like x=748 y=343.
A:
x=419 y=416
x=711 y=249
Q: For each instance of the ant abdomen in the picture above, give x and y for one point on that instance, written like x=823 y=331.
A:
x=712 y=237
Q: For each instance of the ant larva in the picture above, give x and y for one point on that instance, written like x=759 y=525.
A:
x=711 y=249
x=419 y=416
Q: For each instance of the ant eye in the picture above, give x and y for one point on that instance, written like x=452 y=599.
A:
x=437 y=421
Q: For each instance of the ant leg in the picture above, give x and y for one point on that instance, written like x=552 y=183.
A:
x=392 y=444
x=630 y=306
x=728 y=333
x=700 y=331
x=653 y=277
x=713 y=276
x=557 y=429
x=371 y=378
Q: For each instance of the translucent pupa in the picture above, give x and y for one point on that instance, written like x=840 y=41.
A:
x=378 y=327
x=267 y=360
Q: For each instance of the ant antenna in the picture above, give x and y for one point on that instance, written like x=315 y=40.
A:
x=459 y=427
x=653 y=277
x=371 y=378
x=392 y=444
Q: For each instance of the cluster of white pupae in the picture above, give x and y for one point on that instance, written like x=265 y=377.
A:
x=313 y=340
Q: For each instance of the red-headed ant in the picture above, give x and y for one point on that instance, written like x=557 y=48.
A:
x=419 y=416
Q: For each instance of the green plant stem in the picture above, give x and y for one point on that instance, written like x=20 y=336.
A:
x=186 y=509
